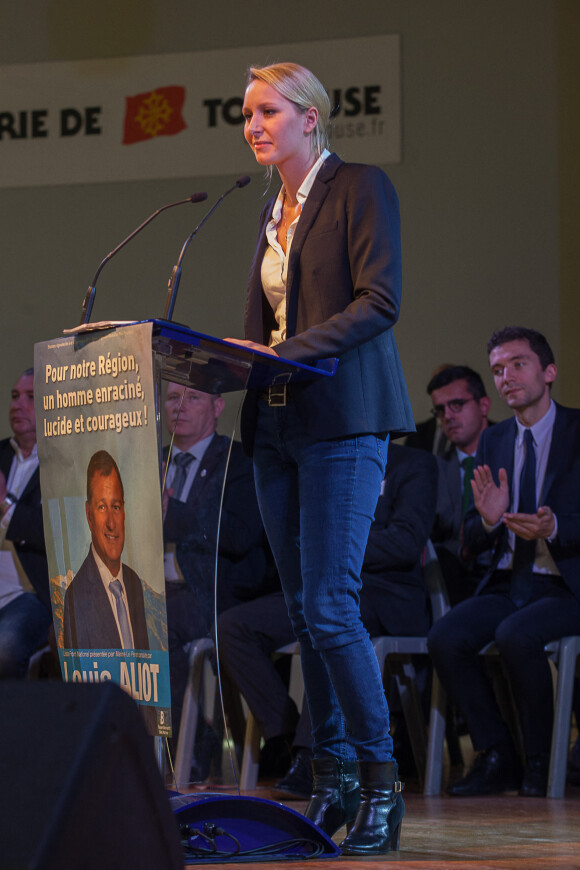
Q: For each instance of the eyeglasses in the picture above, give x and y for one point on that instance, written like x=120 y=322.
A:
x=455 y=405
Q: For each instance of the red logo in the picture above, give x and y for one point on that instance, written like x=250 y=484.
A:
x=152 y=114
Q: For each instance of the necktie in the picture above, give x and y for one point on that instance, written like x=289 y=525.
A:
x=525 y=551
x=181 y=461
x=467 y=466
x=117 y=590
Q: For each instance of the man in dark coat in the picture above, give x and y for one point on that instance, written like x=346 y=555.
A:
x=193 y=515
x=526 y=491
x=461 y=404
x=25 y=611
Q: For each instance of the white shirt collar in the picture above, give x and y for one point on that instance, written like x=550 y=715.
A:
x=540 y=429
x=303 y=190
x=306 y=185
x=198 y=449
x=106 y=575
x=32 y=456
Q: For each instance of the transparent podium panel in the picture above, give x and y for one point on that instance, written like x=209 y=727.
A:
x=112 y=523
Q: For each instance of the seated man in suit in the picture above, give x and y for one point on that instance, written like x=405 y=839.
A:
x=104 y=606
x=25 y=611
x=192 y=502
x=429 y=434
x=461 y=405
x=393 y=601
x=526 y=491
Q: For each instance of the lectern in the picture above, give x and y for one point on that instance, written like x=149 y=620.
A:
x=98 y=389
x=216 y=366
x=98 y=395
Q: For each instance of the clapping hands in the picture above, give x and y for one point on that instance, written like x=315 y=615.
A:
x=492 y=502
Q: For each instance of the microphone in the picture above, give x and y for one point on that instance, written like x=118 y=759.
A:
x=173 y=284
x=90 y=294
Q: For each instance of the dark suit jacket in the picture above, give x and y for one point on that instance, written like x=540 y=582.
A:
x=26 y=530
x=449 y=498
x=426 y=431
x=192 y=526
x=561 y=492
x=448 y=517
x=343 y=297
x=392 y=570
x=89 y=622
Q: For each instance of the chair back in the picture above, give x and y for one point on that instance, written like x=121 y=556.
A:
x=435 y=582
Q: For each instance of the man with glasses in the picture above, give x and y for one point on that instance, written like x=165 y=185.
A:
x=461 y=406
x=428 y=433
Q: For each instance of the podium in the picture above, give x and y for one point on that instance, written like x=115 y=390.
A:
x=92 y=390
x=98 y=395
x=216 y=366
x=259 y=827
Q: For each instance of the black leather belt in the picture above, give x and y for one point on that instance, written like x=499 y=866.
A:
x=276 y=395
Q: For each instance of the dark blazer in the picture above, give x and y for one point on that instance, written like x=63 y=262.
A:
x=343 y=298
x=449 y=498
x=192 y=526
x=26 y=530
x=392 y=569
x=426 y=432
x=89 y=622
x=561 y=493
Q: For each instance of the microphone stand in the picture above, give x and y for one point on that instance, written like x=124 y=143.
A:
x=89 y=299
x=173 y=284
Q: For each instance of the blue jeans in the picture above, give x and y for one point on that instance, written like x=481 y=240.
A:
x=317 y=500
x=24 y=624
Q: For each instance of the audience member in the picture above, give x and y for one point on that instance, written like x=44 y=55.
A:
x=393 y=601
x=25 y=610
x=428 y=434
x=461 y=406
x=192 y=498
x=526 y=492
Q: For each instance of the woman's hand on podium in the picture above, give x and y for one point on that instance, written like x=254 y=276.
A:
x=252 y=345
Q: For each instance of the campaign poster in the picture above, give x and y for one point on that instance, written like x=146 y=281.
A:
x=101 y=495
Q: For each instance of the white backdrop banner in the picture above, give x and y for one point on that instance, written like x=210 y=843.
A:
x=179 y=115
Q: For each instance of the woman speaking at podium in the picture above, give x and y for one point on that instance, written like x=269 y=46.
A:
x=326 y=282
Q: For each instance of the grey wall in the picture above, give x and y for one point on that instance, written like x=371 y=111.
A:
x=477 y=185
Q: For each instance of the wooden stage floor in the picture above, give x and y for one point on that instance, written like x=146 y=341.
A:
x=442 y=833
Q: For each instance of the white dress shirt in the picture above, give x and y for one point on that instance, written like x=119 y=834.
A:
x=275 y=262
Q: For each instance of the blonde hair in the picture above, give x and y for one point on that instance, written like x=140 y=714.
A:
x=297 y=84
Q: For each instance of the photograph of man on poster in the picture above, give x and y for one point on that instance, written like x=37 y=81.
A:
x=104 y=605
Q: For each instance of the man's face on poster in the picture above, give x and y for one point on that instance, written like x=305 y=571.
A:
x=106 y=519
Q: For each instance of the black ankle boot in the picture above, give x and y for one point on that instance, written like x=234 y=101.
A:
x=377 y=828
x=335 y=794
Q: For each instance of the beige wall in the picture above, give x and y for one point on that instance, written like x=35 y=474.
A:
x=486 y=184
x=569 y=194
